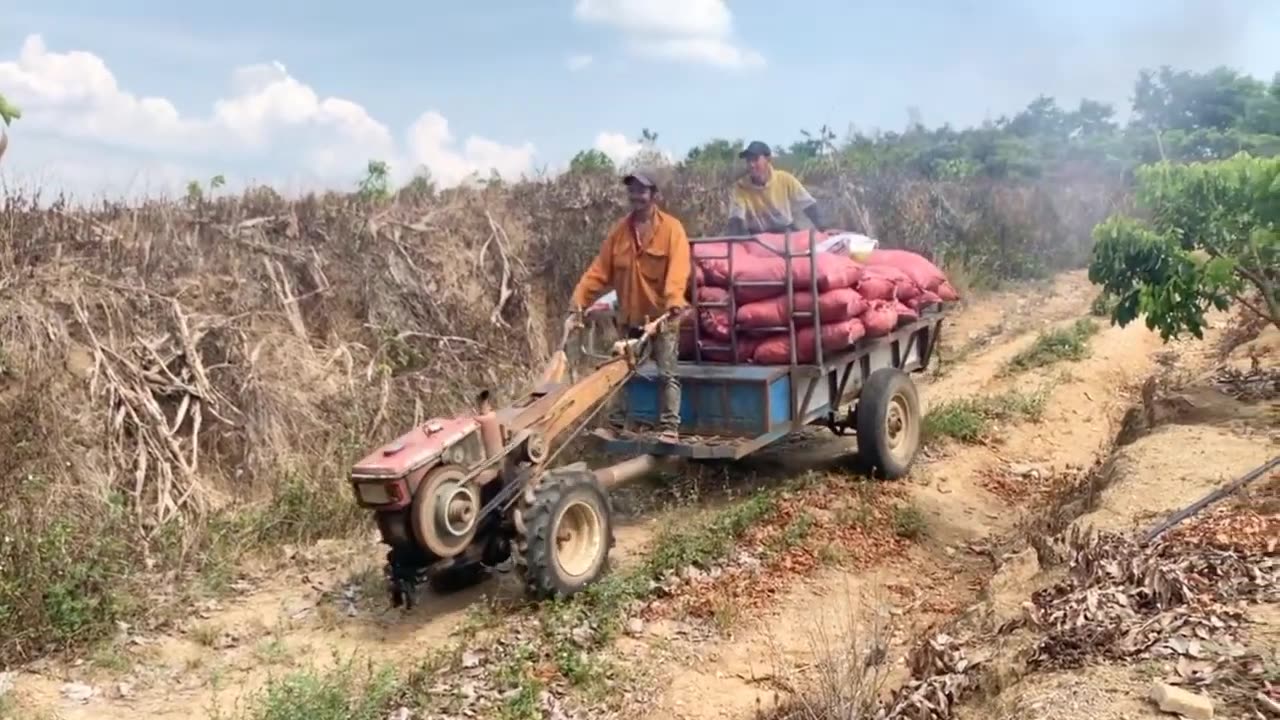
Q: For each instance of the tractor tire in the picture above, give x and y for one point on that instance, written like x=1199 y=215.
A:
x=456 y=578
x=565 y=528
x=888 y=423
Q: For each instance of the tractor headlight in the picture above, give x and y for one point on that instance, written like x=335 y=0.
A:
x=373 y=493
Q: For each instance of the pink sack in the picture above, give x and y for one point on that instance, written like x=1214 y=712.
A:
x=833 y=271
x=947 y=293
x=885 y=282
x=722 y=353
x=833 y=306
x=880 y=318
x=776 y=349
x=927 y=298
x=713 y=321
x=917 y=267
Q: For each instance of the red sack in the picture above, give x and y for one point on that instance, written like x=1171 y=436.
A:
x=833 y=271
x=833 y=306
x=713 y=321
x=776 y=349
x=885 y=282
x=947 y=293
x=880 y=318
x=773 y=244
x=917 y=267
x=926 y=299
x=721 y=352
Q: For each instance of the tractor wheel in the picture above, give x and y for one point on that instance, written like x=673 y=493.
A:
x=566 y=532
x=456 y=577
x=888 y=422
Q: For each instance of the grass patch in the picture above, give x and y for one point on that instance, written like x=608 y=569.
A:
x=909 y=522
x=1103 y=304
x=970 y=419
x=1051 y=346
x=348 y=691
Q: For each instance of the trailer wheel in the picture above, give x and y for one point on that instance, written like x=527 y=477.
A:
x=566 y=532
x=888 y=422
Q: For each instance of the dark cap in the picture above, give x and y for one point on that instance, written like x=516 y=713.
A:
x=640 y=179
x=756 y=148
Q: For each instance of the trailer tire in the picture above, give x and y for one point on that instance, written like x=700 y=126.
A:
x=567 y=534
x=888 y=423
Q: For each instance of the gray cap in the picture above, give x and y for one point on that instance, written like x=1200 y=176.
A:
x=640 y=179
x=755 y=148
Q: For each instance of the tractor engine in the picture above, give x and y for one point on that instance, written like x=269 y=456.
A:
x=427 y=496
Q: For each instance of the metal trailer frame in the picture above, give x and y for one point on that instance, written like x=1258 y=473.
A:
x=729 y=409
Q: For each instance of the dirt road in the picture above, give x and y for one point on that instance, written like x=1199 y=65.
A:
x=328 y=598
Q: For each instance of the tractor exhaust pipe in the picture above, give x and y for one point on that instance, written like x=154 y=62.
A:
x=627 y=470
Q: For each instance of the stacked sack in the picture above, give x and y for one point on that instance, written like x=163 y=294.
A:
x=854 y=300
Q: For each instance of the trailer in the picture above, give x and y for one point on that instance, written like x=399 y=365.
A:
x=729 y=410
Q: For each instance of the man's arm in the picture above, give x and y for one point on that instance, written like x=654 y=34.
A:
x=737 y=213
x=811 y=212
x=679 y=265
x=597 y=277
x=802 y=201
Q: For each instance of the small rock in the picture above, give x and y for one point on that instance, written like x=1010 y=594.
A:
x=1177 y=701
x=7 y=681
x=635 y=626
x=468 y=691
x=124 y=690
x=78 y=692
x=950 y=551
x=470 y=659
x=583 y=635
x=401 y=713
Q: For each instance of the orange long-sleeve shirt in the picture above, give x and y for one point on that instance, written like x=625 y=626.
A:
x=651 y=274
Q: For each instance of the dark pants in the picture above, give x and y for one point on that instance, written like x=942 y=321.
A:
x=665 y=349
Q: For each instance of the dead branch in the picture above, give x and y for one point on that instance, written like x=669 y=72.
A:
x=1213 y=497
x=504 y=290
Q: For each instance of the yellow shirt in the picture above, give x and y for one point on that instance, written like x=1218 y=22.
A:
x=771 y=207
x=649 y=269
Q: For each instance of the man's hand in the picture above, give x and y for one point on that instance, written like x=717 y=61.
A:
x=574 y=320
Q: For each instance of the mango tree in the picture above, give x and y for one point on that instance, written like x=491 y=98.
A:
x=1211 y=238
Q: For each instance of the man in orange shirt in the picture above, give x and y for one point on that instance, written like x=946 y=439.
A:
x=646 y=259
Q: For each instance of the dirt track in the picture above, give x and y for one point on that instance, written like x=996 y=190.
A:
x=327 y=598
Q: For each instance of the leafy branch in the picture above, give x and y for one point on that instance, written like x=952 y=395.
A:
x=1213 y=239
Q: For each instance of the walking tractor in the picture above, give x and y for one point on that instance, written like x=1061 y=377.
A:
x=456 y=496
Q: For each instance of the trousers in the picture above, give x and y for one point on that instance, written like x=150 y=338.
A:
x=665 y=351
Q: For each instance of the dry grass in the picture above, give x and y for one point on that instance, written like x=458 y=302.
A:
x=183 y=383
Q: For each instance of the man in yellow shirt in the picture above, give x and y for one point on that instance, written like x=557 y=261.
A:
x=767 y=199
x=646 y=259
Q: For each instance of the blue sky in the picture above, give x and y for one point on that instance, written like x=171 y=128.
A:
x=500 y=75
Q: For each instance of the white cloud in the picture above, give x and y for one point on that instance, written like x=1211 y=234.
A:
x=622 y=150
x=579 y=62
x=688 y=30
x=617 y=147
x=270 y=118
x=430 y=144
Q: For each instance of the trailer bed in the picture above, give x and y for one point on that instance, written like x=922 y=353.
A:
x=728 y=411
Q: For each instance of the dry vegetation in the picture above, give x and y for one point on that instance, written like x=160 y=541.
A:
x=182 y=383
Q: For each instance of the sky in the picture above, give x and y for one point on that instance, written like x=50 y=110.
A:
x=134 y=97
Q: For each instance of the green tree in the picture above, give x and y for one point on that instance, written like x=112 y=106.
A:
x=1213 y=238
x=589 y=162
x=376 y=184
x=714 y=153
